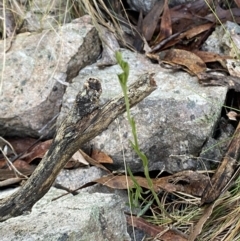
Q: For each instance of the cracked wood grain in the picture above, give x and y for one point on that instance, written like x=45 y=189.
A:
x=85 y=121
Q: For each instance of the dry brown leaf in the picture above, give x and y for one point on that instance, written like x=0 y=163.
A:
x=151 y=20
x=237 y=2
x=101 y=157
x=168 y=42
x=178 y=37
x=23 y=167
x=196 y=30
x=20 y=145
x=189 y=14
x=10 y=181
x=20 y=165
x=166 y=23
x=160 y=232
x=2 y=163
x=76 y=161
x=77 y=156
x=199 y=7
x=198 y=227
x=177 y=14
x=232 y=115
x=209 y=57
x=93 y=162
x=188 y=182
x=120 y=182
x=38 y=151
x=188 y=60
x=232 y=14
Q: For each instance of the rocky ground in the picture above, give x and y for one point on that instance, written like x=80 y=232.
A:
x=42 y=74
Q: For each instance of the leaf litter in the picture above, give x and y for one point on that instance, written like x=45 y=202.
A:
x=173 y=36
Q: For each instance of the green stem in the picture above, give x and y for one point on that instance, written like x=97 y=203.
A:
x=123 y=78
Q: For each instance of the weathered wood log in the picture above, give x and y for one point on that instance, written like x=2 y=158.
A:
x=85 y=121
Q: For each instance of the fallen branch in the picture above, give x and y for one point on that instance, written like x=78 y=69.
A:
x=85 y=121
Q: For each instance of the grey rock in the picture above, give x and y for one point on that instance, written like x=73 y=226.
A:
x=220 y=41
x=76 y=178
x=73 y=179
x=7 y=192
x=147 y=5
x=215 y=148
x=35 y=71
x=176 y=119
x=82 y=217
x=110 y=46
x=137 y=234
x=43 y=14
x=211 y=154
x=173 y=3
x=139 y=5
x=51 y=194
x=34 y=16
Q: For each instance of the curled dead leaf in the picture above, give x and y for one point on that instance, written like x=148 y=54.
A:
x=101 y=157
x=209 y=57
x=164 y=233
x=190 y=62
x=76 y=161
x=38 y=151
x=232 y=115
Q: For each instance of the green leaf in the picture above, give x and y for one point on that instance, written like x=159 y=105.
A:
x=123 y=77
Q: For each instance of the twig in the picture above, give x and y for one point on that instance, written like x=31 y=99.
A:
x=11 y=166
x=85 y=121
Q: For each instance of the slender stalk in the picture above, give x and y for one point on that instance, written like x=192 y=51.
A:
x=123 y=78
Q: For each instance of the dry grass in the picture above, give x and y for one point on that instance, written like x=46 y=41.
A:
x=224 y=222
x=101 y=14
